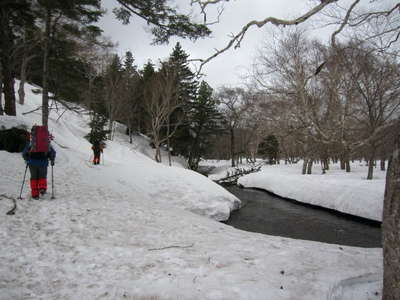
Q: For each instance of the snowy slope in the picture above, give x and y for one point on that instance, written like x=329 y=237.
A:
x=126 y=165
x=135 y=229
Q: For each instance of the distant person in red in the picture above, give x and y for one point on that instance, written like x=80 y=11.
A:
x=97 y=150
x=37 y=154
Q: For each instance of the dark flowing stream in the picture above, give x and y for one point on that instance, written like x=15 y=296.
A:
x=269 y=214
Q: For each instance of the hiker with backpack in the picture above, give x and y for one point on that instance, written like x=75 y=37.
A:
x=97 y=150
x=37 y=154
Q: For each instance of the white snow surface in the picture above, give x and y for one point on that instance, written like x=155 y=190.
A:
x=134 y=229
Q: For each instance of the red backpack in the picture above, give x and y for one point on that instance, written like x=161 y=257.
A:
x=40 y=139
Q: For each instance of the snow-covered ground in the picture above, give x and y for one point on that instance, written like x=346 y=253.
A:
x=345 y=192
x=135 y=229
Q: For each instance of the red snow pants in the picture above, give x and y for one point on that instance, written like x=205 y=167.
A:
x=38 y=179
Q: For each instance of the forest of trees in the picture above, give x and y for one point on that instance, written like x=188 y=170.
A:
x=335 y=102
x=321 y=102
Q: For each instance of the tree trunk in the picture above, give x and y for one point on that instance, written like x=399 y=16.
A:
x=232 y=146
x=194 y=153
x=130 y=133
x=305 y=163
x=346 y=160
x=6 y=45
x=348 y=167
x=158 y=152
x=21 y=91
x=342 y=163
x=371 y=163
x=168 y=144
x=24 y=67
x=326 y=164
x=309 y=166
x=1 y=93
x=323 y=163
x=383 y=167
x=391 y=228
x=45 y=87
x=9 y=93
x=370 y=175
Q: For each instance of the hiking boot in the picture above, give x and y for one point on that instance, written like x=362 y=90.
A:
x=35 y=197
x=42 y=191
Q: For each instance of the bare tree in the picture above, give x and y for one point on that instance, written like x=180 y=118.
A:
x=378 y=89
x=24 y=50
x=160 y=101
x=114 y=100
x=233 y=106
x=6 y=46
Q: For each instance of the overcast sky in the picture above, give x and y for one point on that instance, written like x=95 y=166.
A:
x=226 y=69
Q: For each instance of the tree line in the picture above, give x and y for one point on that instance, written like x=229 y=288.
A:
x=321 y=103
x=56 y=45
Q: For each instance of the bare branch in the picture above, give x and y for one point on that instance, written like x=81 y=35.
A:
x=173 y=246
x=344 y=23
x=236 y=39
x=204 y=4
x=33 y=110
x=364 y=17
x=377 y=134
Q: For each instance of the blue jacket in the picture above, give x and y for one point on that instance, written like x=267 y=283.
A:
x=39 y=159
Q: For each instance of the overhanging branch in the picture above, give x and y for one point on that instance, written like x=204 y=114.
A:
x=237 y=39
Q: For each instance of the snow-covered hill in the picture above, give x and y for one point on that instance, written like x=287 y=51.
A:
x=127 y=168
x=135 y=229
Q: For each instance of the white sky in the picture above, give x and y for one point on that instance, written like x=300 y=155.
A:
x=227 y=69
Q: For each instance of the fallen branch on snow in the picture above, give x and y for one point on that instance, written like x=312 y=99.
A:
x=12 y=210
x=238 y=172
x=173 y=246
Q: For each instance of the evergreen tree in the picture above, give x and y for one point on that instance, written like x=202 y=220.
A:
x=145 y=79
x=187 y=89
x=205 y=121
x=129 y=64
x=163 y=20
x=148 y=71
x=131 y=80
x=187 y=82
x=77 y=18
x=97 y=131
x=269 y=148
x=14 y=16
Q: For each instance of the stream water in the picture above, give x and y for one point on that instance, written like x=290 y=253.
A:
x=266 y=213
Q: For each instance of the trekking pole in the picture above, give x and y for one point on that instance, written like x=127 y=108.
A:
x=20 y=193
x=52 y=183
